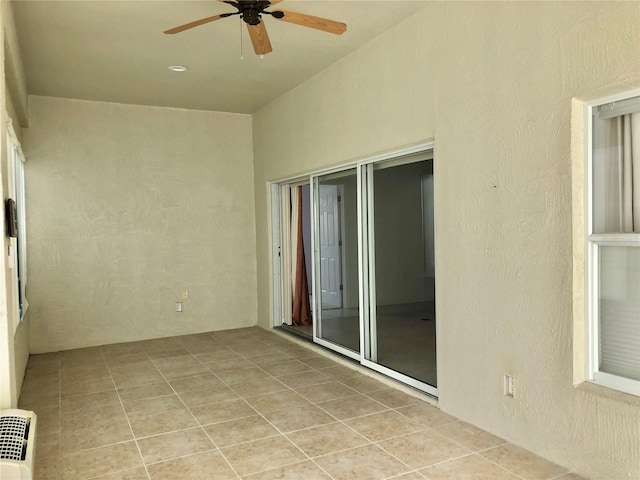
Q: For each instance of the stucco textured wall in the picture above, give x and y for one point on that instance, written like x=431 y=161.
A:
x=492 y=83
x=129 y=206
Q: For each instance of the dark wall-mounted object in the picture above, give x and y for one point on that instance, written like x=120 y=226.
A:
x=11 y=217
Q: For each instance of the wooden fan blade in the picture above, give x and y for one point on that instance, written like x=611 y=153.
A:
x=273 y=2
x=310 y=21
x=259 y=38
x=187 y=26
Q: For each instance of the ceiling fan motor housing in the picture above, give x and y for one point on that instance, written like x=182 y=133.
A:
x=251 y=10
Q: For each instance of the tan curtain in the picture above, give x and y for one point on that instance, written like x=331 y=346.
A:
x=622 y=174
x=301 y=314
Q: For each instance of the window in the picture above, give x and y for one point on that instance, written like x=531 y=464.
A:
x=18 y=245
x=613 y=243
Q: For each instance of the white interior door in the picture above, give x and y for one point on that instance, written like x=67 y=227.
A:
x=330 y=246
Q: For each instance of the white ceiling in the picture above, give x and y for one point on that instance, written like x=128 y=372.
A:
x=115 y=50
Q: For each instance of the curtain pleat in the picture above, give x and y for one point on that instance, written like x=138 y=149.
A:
x=631 y=168
x=622 y=174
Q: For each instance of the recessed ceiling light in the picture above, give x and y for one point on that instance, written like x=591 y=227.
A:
x=178 y=68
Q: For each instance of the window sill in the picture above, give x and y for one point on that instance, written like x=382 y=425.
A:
x=608 y=393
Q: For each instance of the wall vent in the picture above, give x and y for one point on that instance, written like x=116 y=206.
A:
x=17 y=444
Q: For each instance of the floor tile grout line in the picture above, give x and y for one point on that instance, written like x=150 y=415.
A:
x=363 y=395
x=340 y=397
x=198 y=423
x=492 y=447
x=285 y=465
x=283 y=434
x=473 y=451
x=309 y=385
x=501 y=466
x=273 y=426
x=455 y=419
x=421 y=430
x=368 y=395
x=370 y=442
x=292 y=443
x=120 y=403
x=102 y=475
x=127 y=418
x=400 y=475
x=514 y=473
x=477 y=453
x=561 y=475
x=453 y=459
x=367 y=442
x=188 y=455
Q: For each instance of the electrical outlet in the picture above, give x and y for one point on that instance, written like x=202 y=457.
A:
x=178 y=306
x=508 y=386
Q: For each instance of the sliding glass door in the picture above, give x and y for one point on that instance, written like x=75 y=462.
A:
x=400 y=326
x=337 y=310
x=374 y=268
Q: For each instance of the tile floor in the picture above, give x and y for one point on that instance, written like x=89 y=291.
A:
x=246 y=404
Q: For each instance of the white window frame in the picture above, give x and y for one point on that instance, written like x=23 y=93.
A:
x=593 y=242
x=16 y=191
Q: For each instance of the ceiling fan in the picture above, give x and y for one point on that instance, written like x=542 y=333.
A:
x=251 y=12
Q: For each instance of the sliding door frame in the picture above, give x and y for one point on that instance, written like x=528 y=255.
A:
x=368 y=325
x=315 y=274
x=366 y=264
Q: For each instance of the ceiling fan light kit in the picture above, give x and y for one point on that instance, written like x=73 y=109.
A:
x=252 y=11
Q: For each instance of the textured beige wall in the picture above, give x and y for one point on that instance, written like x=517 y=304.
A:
x=492 y=83
x=13 y=115
x=129 y=206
